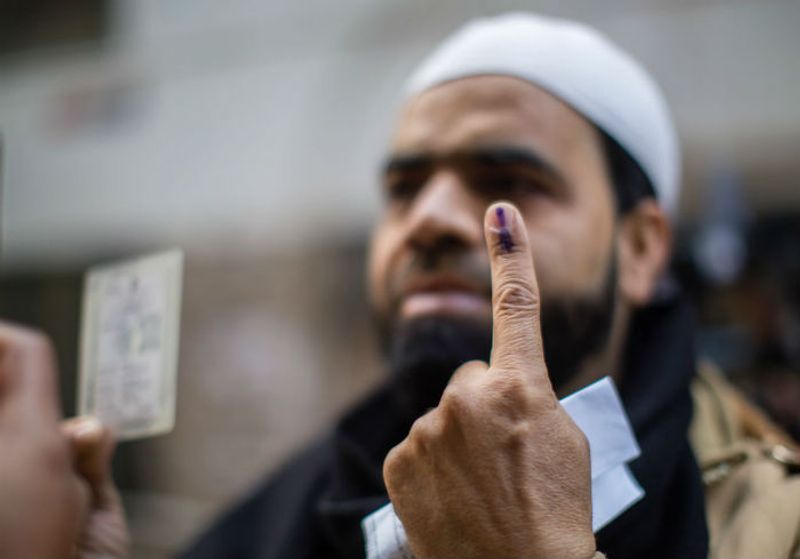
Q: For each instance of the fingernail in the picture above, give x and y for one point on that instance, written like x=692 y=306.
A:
x=88 y=426
x=503 y=234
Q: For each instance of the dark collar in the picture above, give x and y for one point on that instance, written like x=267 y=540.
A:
x=361 y=441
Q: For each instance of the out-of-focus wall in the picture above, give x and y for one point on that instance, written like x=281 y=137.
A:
x=263 y=122
x=249 y=133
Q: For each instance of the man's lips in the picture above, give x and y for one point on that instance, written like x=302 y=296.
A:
x=443 y=295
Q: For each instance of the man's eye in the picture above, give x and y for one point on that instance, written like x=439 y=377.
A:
x=512 y=185
x=402 y=188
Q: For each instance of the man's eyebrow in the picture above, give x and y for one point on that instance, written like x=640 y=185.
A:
x=512 y=155
x=489 y=156
x=408 y=162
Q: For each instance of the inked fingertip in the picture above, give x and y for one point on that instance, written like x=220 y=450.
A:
x=505 y=240
x=500 y=212
x=501 y=229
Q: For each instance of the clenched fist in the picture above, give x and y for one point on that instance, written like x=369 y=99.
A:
x=498 y=470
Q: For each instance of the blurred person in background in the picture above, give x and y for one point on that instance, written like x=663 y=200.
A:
x=773 y=316
x=523 y=254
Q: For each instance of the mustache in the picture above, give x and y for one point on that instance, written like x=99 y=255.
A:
x=469 y=267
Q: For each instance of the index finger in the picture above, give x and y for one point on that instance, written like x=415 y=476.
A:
x=517 y=338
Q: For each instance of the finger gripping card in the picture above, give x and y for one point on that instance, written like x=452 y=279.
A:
x=129 y=344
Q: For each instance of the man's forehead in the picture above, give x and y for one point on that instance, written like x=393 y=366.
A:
x=487 y=110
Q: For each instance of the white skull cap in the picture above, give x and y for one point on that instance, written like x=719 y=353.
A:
x=580 y=66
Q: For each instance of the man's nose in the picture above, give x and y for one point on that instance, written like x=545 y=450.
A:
x=445 y=213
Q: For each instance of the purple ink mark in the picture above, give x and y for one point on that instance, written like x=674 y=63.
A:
x=506 y=242
x=501 y=216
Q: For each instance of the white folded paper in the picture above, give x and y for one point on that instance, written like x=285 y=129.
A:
x=598 y=411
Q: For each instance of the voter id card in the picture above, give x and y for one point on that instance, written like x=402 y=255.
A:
x=129 y=344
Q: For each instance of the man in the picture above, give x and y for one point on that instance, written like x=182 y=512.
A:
x=490 y=309
x=521 y=255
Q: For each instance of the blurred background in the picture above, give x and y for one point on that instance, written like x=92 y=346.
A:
x=249 y=133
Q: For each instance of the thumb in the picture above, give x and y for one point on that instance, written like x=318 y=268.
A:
x=92 y=448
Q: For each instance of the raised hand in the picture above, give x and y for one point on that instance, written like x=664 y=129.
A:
x=498 y=469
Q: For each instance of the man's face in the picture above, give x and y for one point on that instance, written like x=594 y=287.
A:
x=459 y=147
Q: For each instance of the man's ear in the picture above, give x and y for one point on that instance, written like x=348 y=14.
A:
x=644 y=241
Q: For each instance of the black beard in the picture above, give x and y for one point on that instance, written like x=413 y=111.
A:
x=423 y=353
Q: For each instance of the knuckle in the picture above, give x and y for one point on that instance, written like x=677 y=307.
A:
x=427 y=432
x=515 y=295
x=391 y=463
x=518 y=435
x=421 y=432
x=580 y=441
x=397 y=467
x=515 y=385
x=518 y=397
x=455 y=401
x=467 y=369
x=509 y=385
x=468 y=374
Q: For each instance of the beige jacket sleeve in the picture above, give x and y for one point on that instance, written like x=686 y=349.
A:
x=751 y=472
